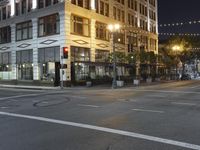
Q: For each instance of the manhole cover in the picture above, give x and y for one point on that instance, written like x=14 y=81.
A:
x=5 y=106
x=52 y=102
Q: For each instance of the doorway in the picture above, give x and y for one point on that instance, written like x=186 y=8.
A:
x=57 y=74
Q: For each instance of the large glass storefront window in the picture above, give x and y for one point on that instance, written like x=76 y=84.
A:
x=47 y=71
x=79 y=57
x=101 y=55
x=25 y=71
x=48 y=59
x=5 y=61
x=24 y=61
x=81 y=71
x=80 y=54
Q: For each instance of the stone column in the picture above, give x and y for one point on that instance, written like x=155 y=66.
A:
x=92 y=40
x=36 y=75
x=13 y=52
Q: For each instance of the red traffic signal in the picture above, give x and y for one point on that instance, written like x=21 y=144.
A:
x=65 y=52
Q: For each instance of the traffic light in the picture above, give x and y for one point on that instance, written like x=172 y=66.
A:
x=65 y=52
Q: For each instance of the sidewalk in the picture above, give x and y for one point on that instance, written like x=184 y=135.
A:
x=29 y=87
x=103 y=86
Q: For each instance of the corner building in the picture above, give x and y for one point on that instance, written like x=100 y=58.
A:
x=34 y=32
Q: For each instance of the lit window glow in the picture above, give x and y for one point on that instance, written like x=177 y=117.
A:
x=34 y=4
x=12 y=6
x=93 y=4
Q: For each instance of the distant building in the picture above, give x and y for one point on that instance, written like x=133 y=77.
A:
x=34 y=32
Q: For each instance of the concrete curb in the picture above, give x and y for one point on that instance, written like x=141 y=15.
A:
x=77 y=88
x=28 y=87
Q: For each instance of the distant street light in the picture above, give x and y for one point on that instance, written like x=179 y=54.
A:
x=113 y=29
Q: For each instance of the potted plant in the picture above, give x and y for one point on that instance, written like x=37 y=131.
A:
x=88 y=81
x=149 y=79
x=120 y=59
x=136 y=81
x=120 y=82
x=157 y=78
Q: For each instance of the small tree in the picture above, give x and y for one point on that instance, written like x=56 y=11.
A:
x=120 y=59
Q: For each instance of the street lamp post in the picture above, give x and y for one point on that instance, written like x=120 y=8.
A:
x=113 y=29
x=176 y=49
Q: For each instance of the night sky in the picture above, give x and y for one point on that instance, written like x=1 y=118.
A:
x=172 y=11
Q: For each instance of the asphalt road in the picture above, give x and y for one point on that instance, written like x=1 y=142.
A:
x=156 y=117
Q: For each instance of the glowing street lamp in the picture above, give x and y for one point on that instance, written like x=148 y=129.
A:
x=176 y=48
x=113 y=28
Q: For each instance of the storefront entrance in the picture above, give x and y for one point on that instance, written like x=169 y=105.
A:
x=49 y=65
x=57 y=74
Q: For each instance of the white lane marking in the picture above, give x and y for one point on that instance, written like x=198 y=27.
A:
x=93 y=106
x=19 y=96
x=108 y=130
x=79 y=97
x=45 y=102
x=166 y=91
x=121 y=99
x=187 y=104
x=157 y=96
x=36 y=94
x=193 y=87
x=152 y=111
x=4 y=107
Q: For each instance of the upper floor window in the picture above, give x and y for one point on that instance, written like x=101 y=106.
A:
x=4 y=13
x=102 y=7
x=49 y=25
x=8 y=11
x=118 y=14
x=29 y=5
x=152 y=15
x=55 y=1
x=102 y=31
x=80 y=25
x=120 y=1
x=143 y=24
x=23 y=6
x=143 y=9
x=47 y=3
x=24 y=31
x=17 y=9
x=81 y=3
x=132 y=4
x=152 y=2
x=40 y=4
x=0 y=15
x=132 y=20
x=5 y=35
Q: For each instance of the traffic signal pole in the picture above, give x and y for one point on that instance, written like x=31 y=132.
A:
x=64 y=56
x=61 y=83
